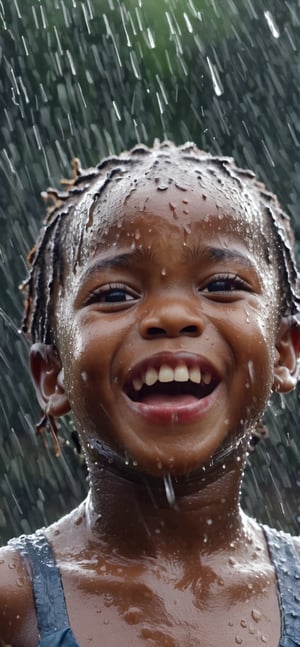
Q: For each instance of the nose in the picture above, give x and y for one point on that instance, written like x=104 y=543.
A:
x=172 y=319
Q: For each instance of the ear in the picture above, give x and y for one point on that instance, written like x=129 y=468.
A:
x=286 y=367
x=48 y=378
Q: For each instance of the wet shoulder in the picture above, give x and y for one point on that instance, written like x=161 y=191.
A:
x=18 y=626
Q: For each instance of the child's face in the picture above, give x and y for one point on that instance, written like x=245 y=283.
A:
x=167 y=331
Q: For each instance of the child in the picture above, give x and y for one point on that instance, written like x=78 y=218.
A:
x=162 y=305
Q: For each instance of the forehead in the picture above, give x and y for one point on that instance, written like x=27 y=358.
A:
x=161 y=194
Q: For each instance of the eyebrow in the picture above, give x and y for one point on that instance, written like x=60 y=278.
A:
x=127 y=259
x=221 y=254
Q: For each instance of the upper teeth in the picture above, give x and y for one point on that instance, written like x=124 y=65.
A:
x=167 y=374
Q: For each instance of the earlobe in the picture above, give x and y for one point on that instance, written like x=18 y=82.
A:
x=286 y=365
x=47 y=374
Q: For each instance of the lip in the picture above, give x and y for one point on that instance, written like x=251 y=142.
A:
x=183 y=409
x=172 y=413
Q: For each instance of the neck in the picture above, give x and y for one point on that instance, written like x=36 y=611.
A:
x=143 y=513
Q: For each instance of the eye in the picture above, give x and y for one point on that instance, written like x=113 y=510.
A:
x=111 y=295
x=225 y=283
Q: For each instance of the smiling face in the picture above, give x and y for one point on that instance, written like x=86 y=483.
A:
x=165 y=332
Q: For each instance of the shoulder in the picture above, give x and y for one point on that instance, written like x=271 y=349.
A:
x=18 y=621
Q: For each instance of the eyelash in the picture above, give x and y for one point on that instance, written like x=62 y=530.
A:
x=98 y=295
x=234 y=281
x=234 y=284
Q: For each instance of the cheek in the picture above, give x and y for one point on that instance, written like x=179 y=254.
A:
x=259 y=367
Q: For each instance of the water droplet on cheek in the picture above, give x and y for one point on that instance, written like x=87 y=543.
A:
x=84 y=376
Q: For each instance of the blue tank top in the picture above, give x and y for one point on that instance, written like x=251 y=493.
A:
x=52 y=615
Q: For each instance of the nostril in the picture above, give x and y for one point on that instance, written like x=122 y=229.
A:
x=190 y=330
x=153 y=331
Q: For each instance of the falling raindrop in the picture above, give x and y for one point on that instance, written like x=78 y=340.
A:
x=271 y=24
x=169 y=491
x=217 y=85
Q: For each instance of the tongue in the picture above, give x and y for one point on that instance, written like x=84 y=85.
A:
x=158 y=399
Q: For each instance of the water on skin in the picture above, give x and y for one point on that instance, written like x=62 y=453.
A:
x=51 y=117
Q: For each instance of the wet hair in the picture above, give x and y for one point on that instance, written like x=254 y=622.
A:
x=47 y=257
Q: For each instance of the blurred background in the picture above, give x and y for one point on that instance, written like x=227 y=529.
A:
x=88 y=78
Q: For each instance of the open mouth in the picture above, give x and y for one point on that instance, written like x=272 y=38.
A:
x=164 y=383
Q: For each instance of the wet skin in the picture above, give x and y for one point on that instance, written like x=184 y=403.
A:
x=168 y=291
x=173 y=279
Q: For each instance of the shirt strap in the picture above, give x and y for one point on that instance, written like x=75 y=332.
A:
x=48 y=592
x=287 y=568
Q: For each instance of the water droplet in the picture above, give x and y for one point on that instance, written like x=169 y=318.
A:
x=169 y=491
x=108 y=599
x=217 y=85
x=271 y=24
x=256 y=615
x=238 y=640
x=133 y=615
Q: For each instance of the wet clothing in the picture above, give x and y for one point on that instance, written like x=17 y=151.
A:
x=52 y=615
x=51 y=610
x=287 y=569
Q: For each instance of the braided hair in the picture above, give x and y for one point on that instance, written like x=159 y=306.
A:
x=83 y=192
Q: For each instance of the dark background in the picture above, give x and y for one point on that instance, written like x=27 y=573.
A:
x=92 y=77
